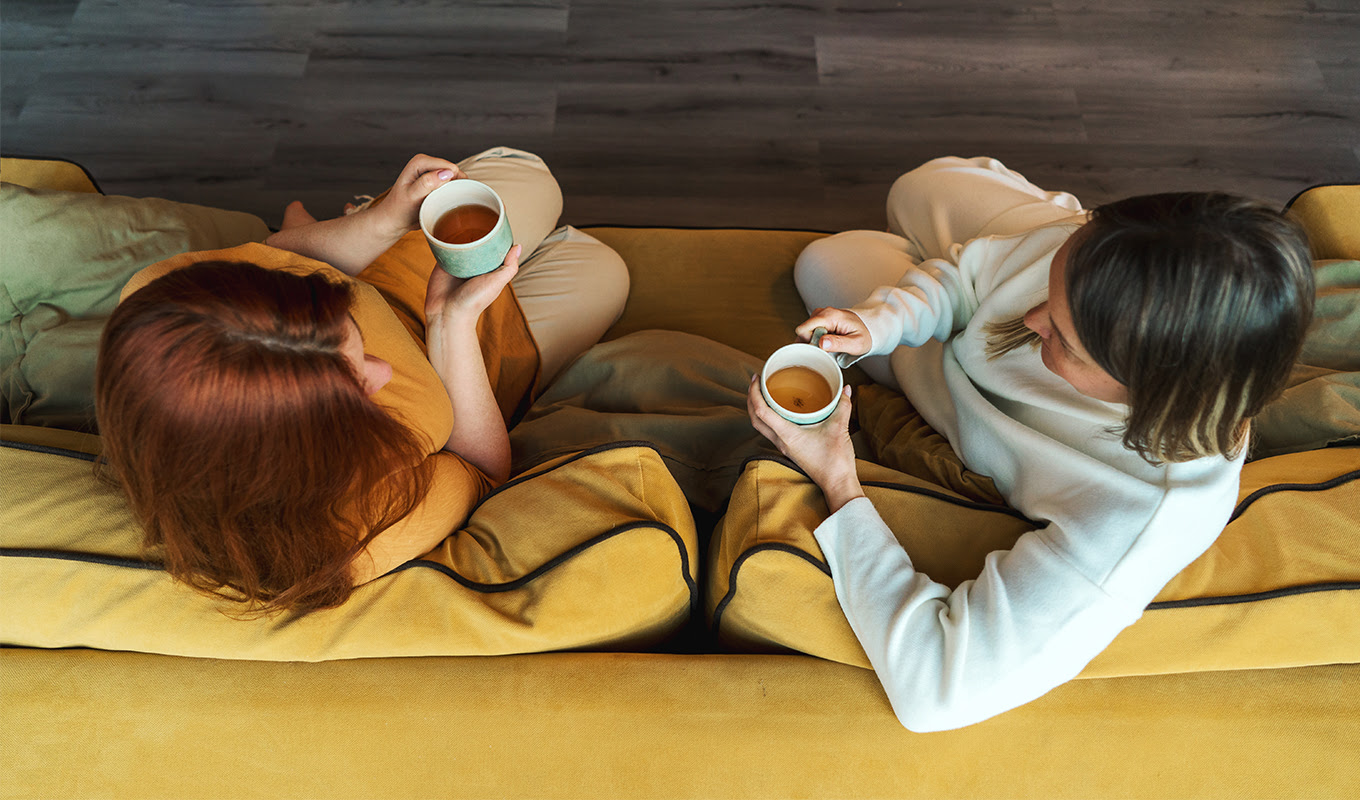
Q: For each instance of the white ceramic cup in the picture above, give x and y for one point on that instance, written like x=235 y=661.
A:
x=473 y=258
x=808 y=355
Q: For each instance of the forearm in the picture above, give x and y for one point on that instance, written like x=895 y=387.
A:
x=949 y=657
x=349 y=243
x=479 y=435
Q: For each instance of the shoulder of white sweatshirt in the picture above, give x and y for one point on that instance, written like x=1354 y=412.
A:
x=1113 y=529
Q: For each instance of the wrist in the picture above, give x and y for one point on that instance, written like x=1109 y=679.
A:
x=383 y=222
x=451 y=321
x=840 y=490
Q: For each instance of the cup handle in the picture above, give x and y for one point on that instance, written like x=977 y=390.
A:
x=817 y=336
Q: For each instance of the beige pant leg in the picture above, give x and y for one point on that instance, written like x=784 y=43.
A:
x=839 y=271
x=941 y=203
x=533 y=200
x=950 y=200
x=571 y=289
x=571 y=286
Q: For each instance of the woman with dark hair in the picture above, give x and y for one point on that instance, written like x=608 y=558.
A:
x=1101 y=369
x=294 y=418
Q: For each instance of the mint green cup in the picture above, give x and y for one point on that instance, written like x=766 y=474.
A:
x=473 y=258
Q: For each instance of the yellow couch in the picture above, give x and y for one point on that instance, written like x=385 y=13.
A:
x=1241 y=682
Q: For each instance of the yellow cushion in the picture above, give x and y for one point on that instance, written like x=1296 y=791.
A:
x=1280 y=587
x=732 y=286
x=591 y=550
x=47 y=173
x=1332 y=216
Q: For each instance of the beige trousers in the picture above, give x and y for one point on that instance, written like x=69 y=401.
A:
x=571 y=286
x=944 y=202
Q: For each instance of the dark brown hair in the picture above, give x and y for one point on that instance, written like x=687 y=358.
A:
x=244 y=439
x=1198 y=303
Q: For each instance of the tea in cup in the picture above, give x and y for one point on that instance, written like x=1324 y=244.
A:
x=802 y=382
x=464 y=222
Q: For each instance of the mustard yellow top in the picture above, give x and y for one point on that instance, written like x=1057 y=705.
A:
x=389 y=310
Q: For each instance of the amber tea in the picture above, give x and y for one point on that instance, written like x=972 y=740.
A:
x=799 y=389
x=465 y=224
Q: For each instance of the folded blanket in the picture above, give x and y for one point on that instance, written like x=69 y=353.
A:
x=683 y=394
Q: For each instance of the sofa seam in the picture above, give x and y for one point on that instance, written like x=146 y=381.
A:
x=1254 y=597
x=529 y=474
x=1275 y=488
x=485 y=588
x=902 y=487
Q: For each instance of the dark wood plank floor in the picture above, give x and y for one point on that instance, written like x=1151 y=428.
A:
x=797 y=113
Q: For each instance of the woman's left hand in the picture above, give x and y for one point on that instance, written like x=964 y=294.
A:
x=464 y=299
x=823 y=449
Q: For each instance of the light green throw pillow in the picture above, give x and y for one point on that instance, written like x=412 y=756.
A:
x=1321 y=407
x=64 y=257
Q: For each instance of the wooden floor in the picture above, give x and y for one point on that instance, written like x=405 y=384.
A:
x=792 y=113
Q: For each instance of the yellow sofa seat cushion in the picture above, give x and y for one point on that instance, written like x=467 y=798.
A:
x=596 y=550
x=1280 y=587
x=730 y=285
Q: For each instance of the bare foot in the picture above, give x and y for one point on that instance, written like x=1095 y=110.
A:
x=295 y=214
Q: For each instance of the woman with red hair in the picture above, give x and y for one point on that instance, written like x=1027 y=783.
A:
x=294 y=418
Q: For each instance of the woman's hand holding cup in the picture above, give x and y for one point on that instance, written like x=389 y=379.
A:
x=400 y=206
x=823 y=450
x=464 y=299
x=845 y=331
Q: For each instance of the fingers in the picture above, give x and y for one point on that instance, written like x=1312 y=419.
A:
x=421 y=164
x=846 y=332
x=817 y=320
x=840 y=418
x=423 y=174
x=512 y=257
x=837 y=344
x=759 y=410
x=502 y=275
x=429 y=181
x=835 y=320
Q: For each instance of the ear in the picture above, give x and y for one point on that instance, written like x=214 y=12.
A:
x=376 y=374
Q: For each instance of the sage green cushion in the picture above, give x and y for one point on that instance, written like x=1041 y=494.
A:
x=66 y=256
x=1321 y=407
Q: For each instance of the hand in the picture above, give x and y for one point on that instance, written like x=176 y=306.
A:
x=823 y=449
x=464 y=299
x=845 y=331
x=400 y=207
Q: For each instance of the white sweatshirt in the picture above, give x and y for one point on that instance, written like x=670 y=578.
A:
x=1115 y=529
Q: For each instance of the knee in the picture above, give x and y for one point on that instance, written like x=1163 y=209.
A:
x=589 y=272
x=520 y=168
x=920 y=181
x=822 y=264
x=612 y=282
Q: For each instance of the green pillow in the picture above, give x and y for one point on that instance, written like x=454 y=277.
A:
x=66 y=257
x=1321 y=407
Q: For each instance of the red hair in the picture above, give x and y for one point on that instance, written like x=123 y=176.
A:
x=244 y=439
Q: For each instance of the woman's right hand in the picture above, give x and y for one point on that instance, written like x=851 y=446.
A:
x=399 y=211
x=450 y=299
x=845 y=331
